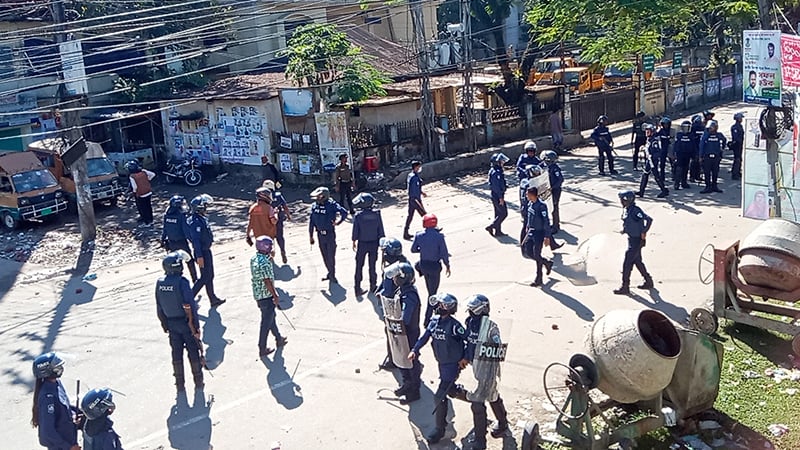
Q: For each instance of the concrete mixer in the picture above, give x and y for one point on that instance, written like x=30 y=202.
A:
x=652 y=372
x=749 y=276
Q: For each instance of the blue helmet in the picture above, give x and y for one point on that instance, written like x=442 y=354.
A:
x=686 y=126
x=665 y=121
x=738 y=116
x=444 y=302
x=499 y=159
x=364 y=200
x=401 y=273
x=697 y=118
x=173 y=263
x=97 y=403
x=391 y=247
x=133 y=166
x=201 y=202
x=533 y=170
x=177 y=203
x=627 y=197
x=48 y=365
x=478 y=305
x=549 y=156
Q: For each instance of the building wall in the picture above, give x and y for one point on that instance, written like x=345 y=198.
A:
x=385 y=114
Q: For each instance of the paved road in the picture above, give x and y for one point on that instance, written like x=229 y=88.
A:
x=320 y=392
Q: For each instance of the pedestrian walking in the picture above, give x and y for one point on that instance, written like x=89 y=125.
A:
x=556 y=130
x=601 y=136
x=736 y=145
x=98 y=431
x=270 y=171
x=344 y=183
x=262 y=218
x=684 y=151
x=177 y=312
x=175 y=232
x=202 y=238
x=415 y=195
x=497 y=187
x=711 y=145
x=367 y=233
x=636 y=224
x=638 y=138
x=263 y=282
x=391 y=252
x=449 y=343
x=652 y=165
x=550 y=159
x=323 y=221
x=537 y=234
x=432 y=249
x=142 y=191
x=280 y=204
x=52 y=414
x=402 y=276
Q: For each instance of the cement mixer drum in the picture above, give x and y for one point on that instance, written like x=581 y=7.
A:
x=635 y=352
x=769 y=256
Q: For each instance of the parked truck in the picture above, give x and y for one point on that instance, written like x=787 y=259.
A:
x=542 y=71
x=579 y=79
x=28 y=191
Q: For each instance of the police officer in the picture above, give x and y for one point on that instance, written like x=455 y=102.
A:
x=449 y=343
x=98 y=432
x=344 y=182
x=550 y=159
x=202 y=238
x=665 y=134
x=323 y=220
x=402 y=276
x=415 y=195
x=52 y=412
x=635 y=223
x=367 y=233
x=391 y=252
x=638 y=138
x=175 y=233
x=498 y=186
x=605 y=145
x=527 y=158
x=532 y=171
x=711 y=145
x=432 y=249
x=684 y=149
x=736 y=145
x=537 y=234
x=652 y=164
x=698 y=128
x=280 y=204
x=262 y=218
x=177 y=312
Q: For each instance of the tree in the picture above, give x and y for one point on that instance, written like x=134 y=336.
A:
x=320 y=55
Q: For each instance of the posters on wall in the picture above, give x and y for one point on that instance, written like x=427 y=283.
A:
x=761 y=63
x=790 y=60
x=285 y=162
x=241 y=133
x=296 y=102
x=189 y=133
x=333 y=138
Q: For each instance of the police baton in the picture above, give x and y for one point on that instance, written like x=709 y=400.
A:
x=287 y=318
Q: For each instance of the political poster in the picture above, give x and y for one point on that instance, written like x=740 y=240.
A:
x=761 y=63
x=333 y=138
x=790 y=60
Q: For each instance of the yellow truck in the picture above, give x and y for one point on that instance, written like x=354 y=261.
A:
x=542 y=71
x=28 y=191
x=104 y=182
x=579 y=79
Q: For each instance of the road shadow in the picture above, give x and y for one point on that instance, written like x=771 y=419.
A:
x=335 y=294
x=676 y=313
x=286 y=299
x=280 y=383
x=213 y=336
x=582 y=311
x=190 y=426
x=375 y=301
x=285 y=272
x=566 y=237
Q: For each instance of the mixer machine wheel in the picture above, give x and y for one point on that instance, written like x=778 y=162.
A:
x=572 y=381
x=705 y=266
x=704 y=321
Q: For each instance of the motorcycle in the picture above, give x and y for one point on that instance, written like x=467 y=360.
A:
x=186 y=169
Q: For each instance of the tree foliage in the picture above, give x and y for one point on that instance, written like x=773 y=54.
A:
x=321 y=55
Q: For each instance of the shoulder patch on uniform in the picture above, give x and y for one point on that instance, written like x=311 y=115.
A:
x=640 y=215
x=51 y=408
x=459 y=329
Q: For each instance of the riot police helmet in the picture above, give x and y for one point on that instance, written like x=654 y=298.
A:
x=133 y=166
x=173 y=263
x=713 y=125
x=401 y=273
x=264 y=194
x=48 y=365
x=627 y=197
x=444 y=302
x=697 y=118
x=430 y=221
x=200 y=203
x=478 y=305
x=649 y=127
x=264 y=245
x=364 y=200
x=708 y=114
x=738 y=116
x=665 y=122
x=391 y=247
x=640 y=114
x=498 y=159
x=321 y=194
x=533 y=170
x=97 y=403
x=177 y=203
x=530 y=146
x=686 y=126
x=549 y=156
x=602 y=120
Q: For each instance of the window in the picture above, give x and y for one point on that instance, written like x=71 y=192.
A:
x=5 y=185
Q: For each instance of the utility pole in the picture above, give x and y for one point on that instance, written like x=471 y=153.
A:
x=772 y=144
x=421 y=48
x=467 y=98
x=71 y=121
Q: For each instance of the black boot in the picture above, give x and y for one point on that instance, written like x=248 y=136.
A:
x=501 y=426
x=459 y=393
x=622 y=290
x=548 y=265
x=177 y=371
x=648 y=283
x=411 y=396
x=440 y=414
x=197 y=373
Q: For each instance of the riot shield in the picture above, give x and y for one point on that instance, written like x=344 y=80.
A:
x=490 y=351
x=396 y=331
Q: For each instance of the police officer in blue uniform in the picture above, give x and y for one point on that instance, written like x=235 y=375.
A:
x=527 y=158
x=323 y=221
x=736 y=145
x=537 y=234
x=638 y=138
x=52 y=412
x=177 y=312
x=391 y=252
x=402 y=276
x=98 y=432
x=432 y=249
x=711 y=145
x=202 y=238
x=665 y=134
x=653 y=163
x=279 y=203
x=601 y=136
x=636 y=224
x=449 y=345
x=175 y=233
x=367 y=233
x=415 y=194
x=498 y=186
x=684 y=151
x=695 y=169
x=550 y=159
x=532 y=172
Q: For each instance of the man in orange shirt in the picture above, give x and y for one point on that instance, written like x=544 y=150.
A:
x=140 y=185
x=263 y=218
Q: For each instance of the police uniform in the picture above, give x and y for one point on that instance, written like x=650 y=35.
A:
x=367 y=232
x=173 y=296
x=695 y=171
x=410 y=302
x=498 y=186
x=432 y=249
x=322 y=219
x=556 y=181
x=202 y=238
x=449 y=339
x=522 y=174
x=388 y=290
x=639 y=140
x=57 y=430
x=414 y=183
x=343 y=180
x=654 y=150
x=99 y=434
x=711 y=146
x=603 y=140
x=279 y=203
x=538 y=228
x=737 y=142
x=479 y=417
x=684 y=150
x=665 y=136
x=175 y=236
x=634 y=223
